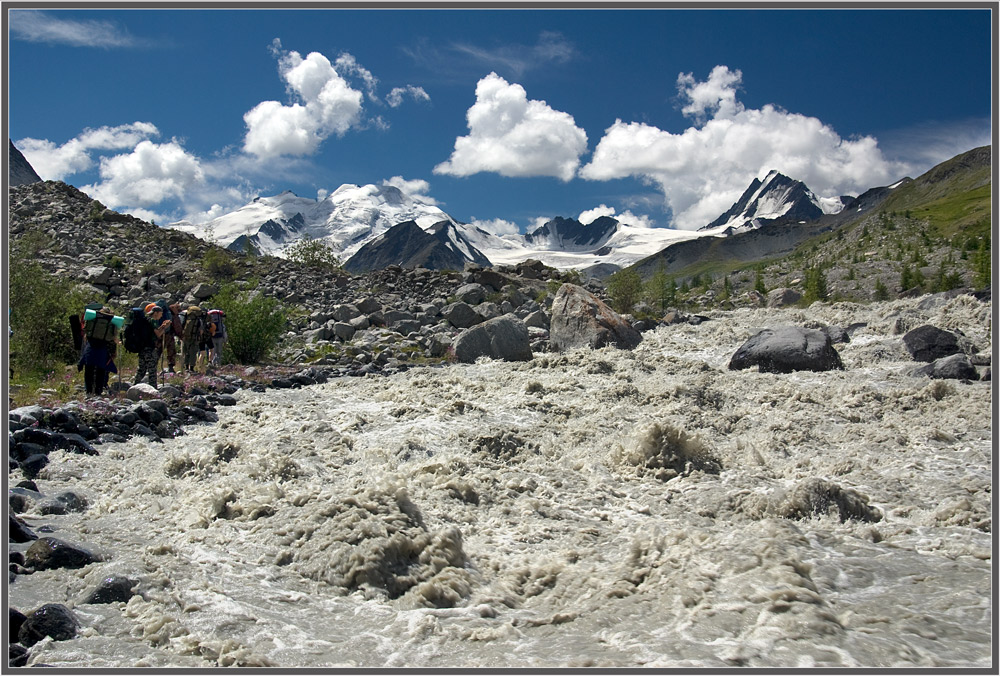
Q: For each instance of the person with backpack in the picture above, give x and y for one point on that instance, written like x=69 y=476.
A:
x=99 y=346
x=169 y=346
x=176 y=332
x=217 y=327
x=148 y=330
x=194 y=330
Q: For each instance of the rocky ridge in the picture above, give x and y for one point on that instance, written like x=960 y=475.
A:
x=375 y=319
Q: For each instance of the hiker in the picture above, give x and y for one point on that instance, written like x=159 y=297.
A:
x=194 y=327
x=150 y=333
x=97 y=358
x=78 y=325
x=217 y=327
x=169 y=346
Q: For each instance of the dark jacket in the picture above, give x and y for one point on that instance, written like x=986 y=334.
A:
x=98 y=353
x=146 y=337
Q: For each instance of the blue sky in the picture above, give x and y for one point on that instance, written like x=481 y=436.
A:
x=507 y=118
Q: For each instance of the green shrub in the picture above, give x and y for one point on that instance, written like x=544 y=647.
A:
x=910 y=278
x=661 y=290
x=758 y=283
x=572 y=276
x=625 y=289
x=218 y=263
x=981 y=270
x=313 y=253
x=96 y=211
x=254 y=323
x=815 y=288
x=39 y=310
x=881 y=291
x=114 y=261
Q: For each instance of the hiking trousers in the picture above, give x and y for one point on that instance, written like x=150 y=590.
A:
x=147 y=365
x=95 y=379
x=217 y=350
x=170 y=347
x=190 y=353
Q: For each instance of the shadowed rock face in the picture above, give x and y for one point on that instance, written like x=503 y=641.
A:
x=408 y=245
x=786 y=349
x=579 y=318
x=20 y=172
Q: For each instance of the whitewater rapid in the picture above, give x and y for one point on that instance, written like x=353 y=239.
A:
x=607 y=508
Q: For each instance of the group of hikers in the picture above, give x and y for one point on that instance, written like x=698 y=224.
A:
x=151 y=332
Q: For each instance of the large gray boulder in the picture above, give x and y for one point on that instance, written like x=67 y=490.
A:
x=581 y=319
x=52 y=620
x=99 y=275
x=504 y=338
x=955 y=367
x=461 y=315
x=204 y=290
x=345 y=313
x=786 y=349
x=929 y=343
x=783 y=297
x=473 y=294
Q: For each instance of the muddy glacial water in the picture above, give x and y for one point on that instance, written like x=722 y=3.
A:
x=589 y=509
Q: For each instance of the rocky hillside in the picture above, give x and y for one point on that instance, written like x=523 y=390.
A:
x=373 y=319
x=923 y=235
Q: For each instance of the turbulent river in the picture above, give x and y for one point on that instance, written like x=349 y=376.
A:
x=605 y=508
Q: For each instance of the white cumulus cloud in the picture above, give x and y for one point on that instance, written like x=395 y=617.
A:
x=514 y=136
x=149 y=175
x=325 y=105
x=704 y=169
x=55 y=162
x=414 y=188
x=346 y=64
x=626 y=217
x=716 y=95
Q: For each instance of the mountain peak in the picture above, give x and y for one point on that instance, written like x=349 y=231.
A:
x=19 y=170
x=569 y=234
x=776 y=198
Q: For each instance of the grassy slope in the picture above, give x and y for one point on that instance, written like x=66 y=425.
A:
x=941 y=210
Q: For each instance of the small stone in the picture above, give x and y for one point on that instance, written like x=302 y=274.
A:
x=48 y=552
x=113 y=589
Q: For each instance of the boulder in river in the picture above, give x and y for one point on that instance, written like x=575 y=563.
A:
x=785 y=349
x=927 y=343
x=53 y=620
x=581 y=319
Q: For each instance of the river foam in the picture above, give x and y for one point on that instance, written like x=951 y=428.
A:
x=595 y=508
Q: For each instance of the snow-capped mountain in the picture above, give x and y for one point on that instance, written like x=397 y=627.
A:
x=356 y=219
x=568 y=234
x=618 y=244
x=347 y=219
x=439 y=247
x=776 y=198
x=354 y=216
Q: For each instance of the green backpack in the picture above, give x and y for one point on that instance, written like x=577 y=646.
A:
x=100 y=327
